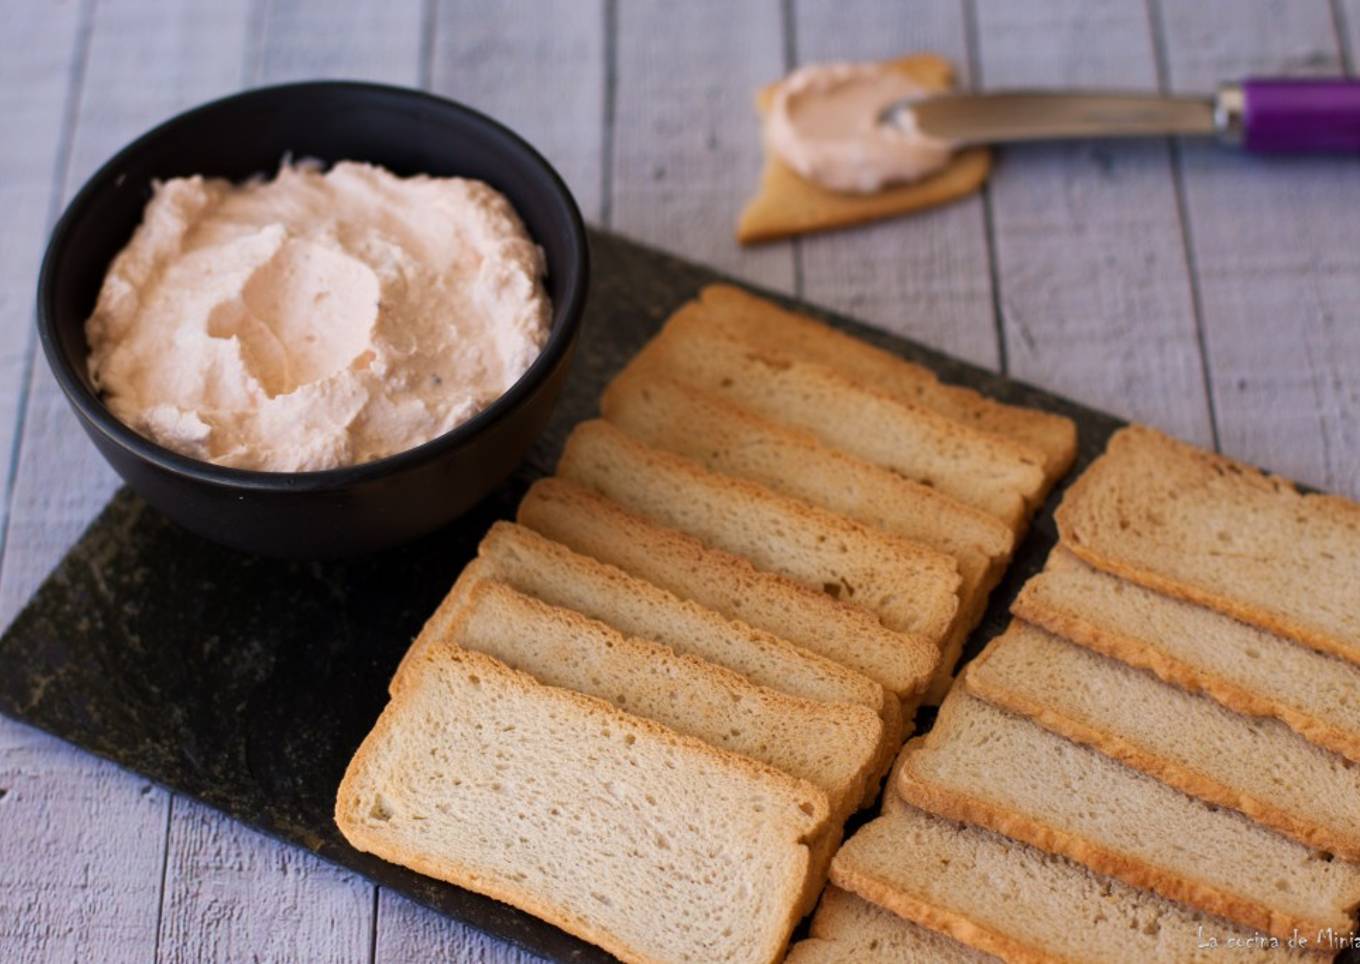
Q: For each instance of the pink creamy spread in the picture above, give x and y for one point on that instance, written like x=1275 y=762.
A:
x=318 y=319
x=823 y=122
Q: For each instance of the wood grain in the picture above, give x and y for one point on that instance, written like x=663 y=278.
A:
x=653 y=128
x=81 y=843
x=686 y=141
x=409 y=932
x=924 y=276
x=540 y=68
x=1347 y=15
x=1094 y=289
x=233 y=895
x=1275 y=245
x=311 y=39
x=40 y=55
x=230 y=893
x=53 y=799
x=92 y=868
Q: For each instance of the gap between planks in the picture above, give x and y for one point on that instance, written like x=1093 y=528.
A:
x=1155 y=25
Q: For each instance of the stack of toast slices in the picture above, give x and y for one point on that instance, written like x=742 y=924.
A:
x=646 y=710
x=1158 y=760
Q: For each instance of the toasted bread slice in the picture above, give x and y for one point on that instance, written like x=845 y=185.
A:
x=1004 y=772
x=1202 y=527
x=656 y=409
x=978 y=468
x=667 y=414
x=831 y=745
x=1199 y=650
x=1258 y=767
x=699 y=633
x=547 y=570
x=463 y=779
x=763 y=322
x=838 y=747
x=536 y=566
x=1023 y=904
x=849 y=930
x=592 y=525
x=909 y=587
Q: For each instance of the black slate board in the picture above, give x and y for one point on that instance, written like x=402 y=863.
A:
x=247 y=683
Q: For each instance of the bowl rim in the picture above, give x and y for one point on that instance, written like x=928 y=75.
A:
x=567 y=313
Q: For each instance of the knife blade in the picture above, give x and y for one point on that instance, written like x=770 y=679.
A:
x=1031 y=115
x=1262 y=114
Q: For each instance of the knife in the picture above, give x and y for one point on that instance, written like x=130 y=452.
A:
x=1264 y=115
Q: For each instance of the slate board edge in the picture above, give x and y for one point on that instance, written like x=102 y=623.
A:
x=622 y=262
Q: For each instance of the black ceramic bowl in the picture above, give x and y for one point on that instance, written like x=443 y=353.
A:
x=361 y=508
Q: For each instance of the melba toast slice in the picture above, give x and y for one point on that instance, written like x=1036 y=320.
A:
x=834 y=746
x=909 y=587
x=667 y=414
x=549 y=571
x=1022 y=904
x=1258 y=767
x=728 y=584
x=847 y=929
x=463 y=779
x=531 y=564
x=1200 y=650
x=762 y=322
x=1008 y=774
x=1205 y=528
x=983 y=470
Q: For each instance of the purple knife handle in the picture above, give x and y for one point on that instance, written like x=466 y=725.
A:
x=1300 y=115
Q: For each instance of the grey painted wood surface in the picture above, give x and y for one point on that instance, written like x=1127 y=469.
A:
x=928 y=276
x=1215 y=296
x=1276 y=254
x=1087 y=237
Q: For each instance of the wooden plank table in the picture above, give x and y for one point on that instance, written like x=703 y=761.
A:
x=1213 y=295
